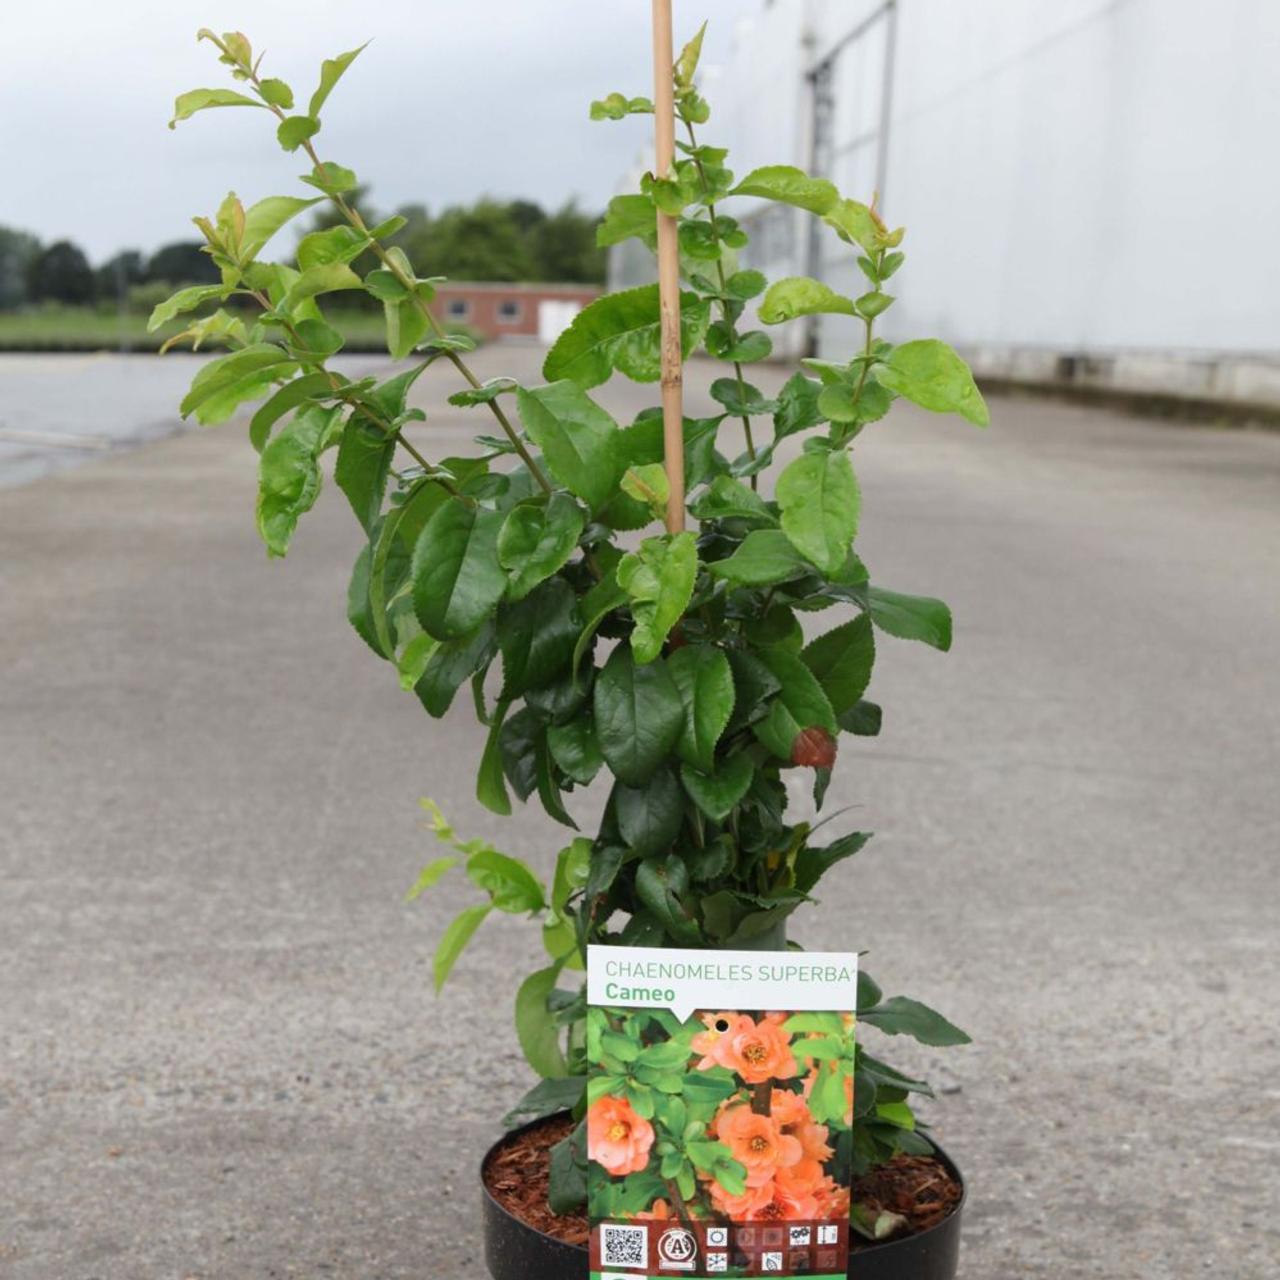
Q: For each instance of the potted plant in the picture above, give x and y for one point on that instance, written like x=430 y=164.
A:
x=692 y=668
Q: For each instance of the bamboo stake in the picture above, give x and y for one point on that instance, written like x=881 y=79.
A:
x=664 y=132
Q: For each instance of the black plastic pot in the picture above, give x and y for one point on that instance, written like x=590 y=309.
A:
x=514 y=1250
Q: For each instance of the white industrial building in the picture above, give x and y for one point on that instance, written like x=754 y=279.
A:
x=1090 y=187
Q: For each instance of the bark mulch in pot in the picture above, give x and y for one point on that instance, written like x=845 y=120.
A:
x=919 y=1188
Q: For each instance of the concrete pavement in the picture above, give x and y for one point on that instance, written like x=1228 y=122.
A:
x=219 y=1054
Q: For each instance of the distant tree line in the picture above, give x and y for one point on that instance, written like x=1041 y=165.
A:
x=487 y=240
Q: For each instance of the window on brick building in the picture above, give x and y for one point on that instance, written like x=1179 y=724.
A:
x=458 y=308
x=510 y=311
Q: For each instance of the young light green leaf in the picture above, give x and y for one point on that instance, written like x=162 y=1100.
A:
x=327 y=277
x=801 y=296
x=687 y=62
x=457 y=580
x=187 y=104
x=786 y=183
x=820 y=501
x=263 y=219
x=248 y=366
x=333 y=244
x=658 y=579
x=929 y=373
x=628 y=216
x=183 y=301
x=853 y=221
x=455 y=939
x=331 y=71
x=293 y=131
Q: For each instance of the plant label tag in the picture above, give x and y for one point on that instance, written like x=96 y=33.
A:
x=719 y=1112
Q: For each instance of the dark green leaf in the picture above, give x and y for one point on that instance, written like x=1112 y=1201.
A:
x=457 y=580
x=842 y=660
x=701 y=674
x=649 y=816
x=537 y=636
x=717 y=793
x=288 y=397
x=902 y=1016
x=546 y=1098
x=364 y=462
x=451 y=664
x=911 y=617
x=576 y=436
x=765 y=557
x=638 y=715
x=537 y=538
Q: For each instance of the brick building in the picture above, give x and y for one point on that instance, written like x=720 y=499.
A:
x=497 y=310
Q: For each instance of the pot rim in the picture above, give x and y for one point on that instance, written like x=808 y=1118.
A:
x=938 y=1150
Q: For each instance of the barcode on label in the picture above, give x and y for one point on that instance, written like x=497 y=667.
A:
x=624 y=1246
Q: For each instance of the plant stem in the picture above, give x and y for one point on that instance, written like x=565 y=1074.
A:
x=724 y=307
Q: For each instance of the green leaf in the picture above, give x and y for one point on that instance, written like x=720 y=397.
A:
x=797 y=406
x=800 y=704
x=659 y=882
x=576 y=436
x=853 y=221
x=628 y=216
x=331 y=70
x=455 y=939
x=574 y=748
x=431 y=875
x=647 y=484
x=289 y=475
x=333 y=244
x=332 y=179
x=658 y=579
x=276 y=93
x=187 y=104
x=407 y=325
x=511 y=886
x=288 y=397
x=705 y=683
x=617 y=106
x=786 y=183
x=862 y=719
x=649 y=816
x=842 y=660
x=765 y=556
x=457 y=580
x=364 y=462
x=638 y=715
x=293 y=131
x=744 y=285
x=535 y=1026
x=567 y=1188
x=726 y=498
x=491 y=785
x=911 y=617
x=929 y=373
x=183 y=301
x=687 y=62
x=813 y=863
x=536 y=539
x=621 y=331
x=264 y=219
x=800 y=296
x=324 y=278
x=900 y=1016
x=223 y=382
x=717 y=793
x=451 y=664
x=819 y=497
x=537 y=636
x=546 y=1098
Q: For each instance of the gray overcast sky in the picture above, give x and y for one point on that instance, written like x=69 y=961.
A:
x=450 y=101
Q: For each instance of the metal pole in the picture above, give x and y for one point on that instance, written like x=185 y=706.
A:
x=886 y=97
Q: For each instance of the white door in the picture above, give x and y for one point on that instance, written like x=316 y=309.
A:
x=555 y=315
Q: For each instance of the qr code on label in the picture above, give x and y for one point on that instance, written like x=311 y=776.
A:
x=624 y=1246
